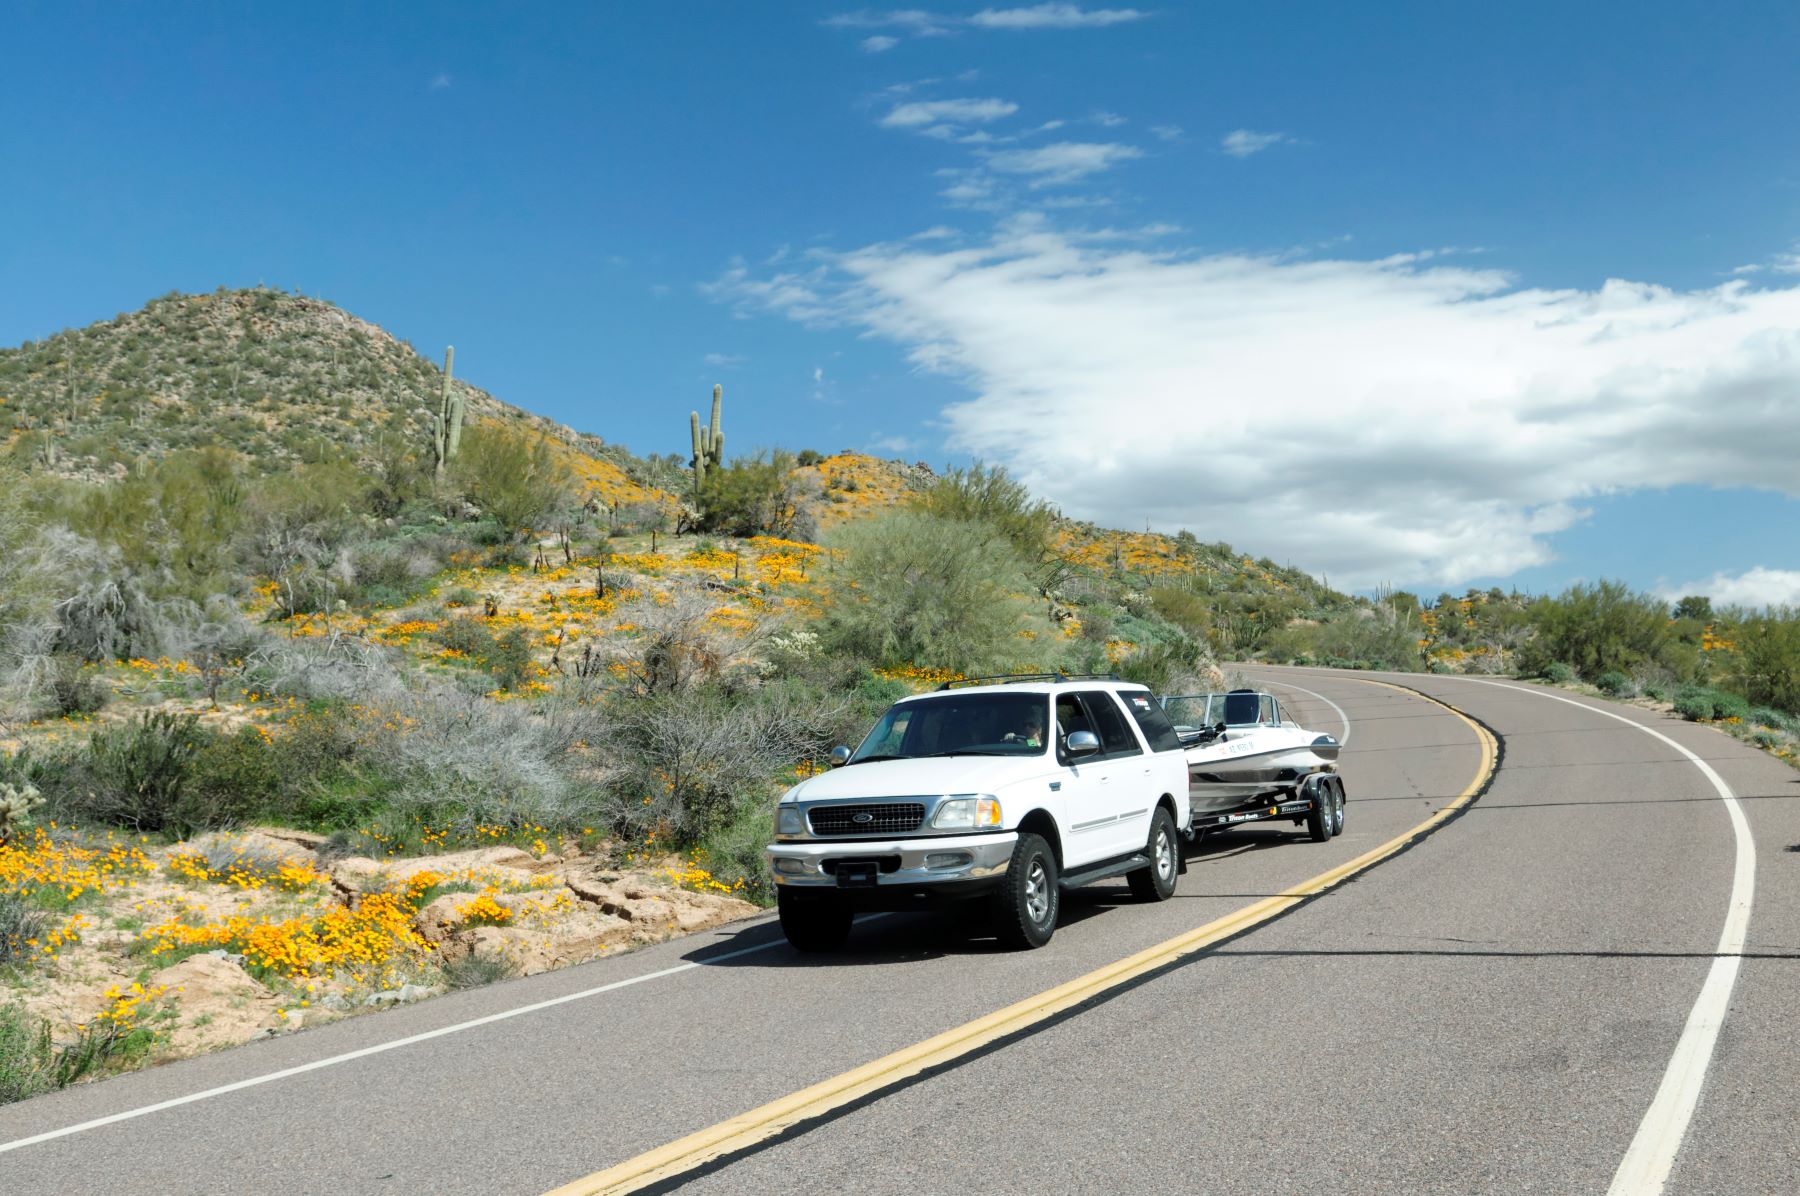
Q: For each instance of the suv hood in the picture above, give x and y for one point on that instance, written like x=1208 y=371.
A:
x=923 y=778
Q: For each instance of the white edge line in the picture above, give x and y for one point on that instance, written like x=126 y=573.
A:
x=1342 y=717
x=378 y=1048
x=1645 y=1168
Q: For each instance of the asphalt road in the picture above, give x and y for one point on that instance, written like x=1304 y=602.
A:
x=1491 y=1010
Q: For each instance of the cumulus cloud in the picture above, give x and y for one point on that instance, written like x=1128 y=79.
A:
x=1063 y=161
x=879 y=43
x=1758 y=587
x=1243 y=142
x=1409 y=419
x=923 y=114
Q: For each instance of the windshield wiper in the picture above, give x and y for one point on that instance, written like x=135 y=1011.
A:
x=866 y=759
x=935 y=755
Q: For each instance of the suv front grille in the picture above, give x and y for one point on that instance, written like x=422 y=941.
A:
x=885 y=818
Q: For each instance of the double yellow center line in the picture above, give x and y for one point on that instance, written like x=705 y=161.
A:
x=697 y=1149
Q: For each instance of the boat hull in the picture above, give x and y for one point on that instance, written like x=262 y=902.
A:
x=1233 y=771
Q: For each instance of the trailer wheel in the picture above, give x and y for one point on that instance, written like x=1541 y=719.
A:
x=1337 y=806
x=1156 y=881
x=1319 y=820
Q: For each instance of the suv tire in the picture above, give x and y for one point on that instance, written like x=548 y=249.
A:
x=814 y=924
x=1156 y=882
x=1027 y=904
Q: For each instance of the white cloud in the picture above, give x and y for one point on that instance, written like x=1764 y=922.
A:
x=1063 y=161
x=918 y=22
x=915 y=21
x=1107 y=120
x=441 y=81
x=1053 y=16
x=1167 y=132
x=1758 y=587
x=724 y=360
x=894 y=444
x=1407 y=419
x=1243 y=142
x=922 y=114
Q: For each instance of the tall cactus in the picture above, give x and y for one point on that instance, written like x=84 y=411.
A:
x=446 y=432
x=709 y=442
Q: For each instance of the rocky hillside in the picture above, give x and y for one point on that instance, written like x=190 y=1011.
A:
x=278 y=377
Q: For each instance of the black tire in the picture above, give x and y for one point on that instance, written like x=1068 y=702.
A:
x=814 y=924
x=1337 y=806
x=1026 y=905
x=1157 y=881
x=1318 y=819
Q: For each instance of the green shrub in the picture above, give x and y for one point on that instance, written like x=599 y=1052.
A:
x=1598 y=629
x=1558 y=673
x=1764 y=716
x=73 y=688
x=751 y=496
x=141 y=772
x=22 y=924
x=1615 y=684
x=807 y=457
x=32 y=1064
x=233 y=778
x=929 y=591
x=477 y=969
x=1697 y=703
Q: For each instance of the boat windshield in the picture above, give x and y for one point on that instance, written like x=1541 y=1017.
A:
x=1242 y=708
x=960 y=724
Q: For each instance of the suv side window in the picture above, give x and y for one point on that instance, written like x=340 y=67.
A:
x=1115 y=735
x=1151 y=720
x=1070 y=718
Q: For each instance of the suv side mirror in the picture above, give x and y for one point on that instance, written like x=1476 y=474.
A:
x=1082 y=743
x=840 y=755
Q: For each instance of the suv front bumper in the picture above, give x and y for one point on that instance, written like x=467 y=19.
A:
x=948 y=865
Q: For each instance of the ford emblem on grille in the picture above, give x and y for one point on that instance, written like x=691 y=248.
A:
x=864 y=817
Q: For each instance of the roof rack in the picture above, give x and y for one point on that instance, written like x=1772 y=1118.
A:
x=1017 y=678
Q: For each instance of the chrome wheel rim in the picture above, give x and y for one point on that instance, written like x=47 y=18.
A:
x=1037 y=893
x=1165 y=855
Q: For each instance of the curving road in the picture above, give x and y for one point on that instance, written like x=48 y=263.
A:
x=1516 y=1002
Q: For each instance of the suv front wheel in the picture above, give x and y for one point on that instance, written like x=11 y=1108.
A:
x=814 y=924
x=1026 y=906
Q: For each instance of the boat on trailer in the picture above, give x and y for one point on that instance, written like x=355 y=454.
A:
x=1247 y=761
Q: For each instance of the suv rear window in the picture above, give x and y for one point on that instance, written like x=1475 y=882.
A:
x=1151 y=720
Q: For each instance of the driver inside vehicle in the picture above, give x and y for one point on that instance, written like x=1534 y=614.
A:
x=1030 y=732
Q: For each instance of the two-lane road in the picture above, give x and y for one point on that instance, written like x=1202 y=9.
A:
x=1494 y=1008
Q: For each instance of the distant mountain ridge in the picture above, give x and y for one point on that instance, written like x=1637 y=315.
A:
x=278 y=377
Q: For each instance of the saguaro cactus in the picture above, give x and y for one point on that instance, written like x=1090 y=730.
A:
x=709 y=442
x=446 y=432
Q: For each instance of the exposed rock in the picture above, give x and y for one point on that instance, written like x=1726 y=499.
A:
x=570 y=937
x=217 y=1002
x=354 y=874
x=248 y=842
x=658 y=910
x=309 y=840
x=460 y=861
x=443 y=916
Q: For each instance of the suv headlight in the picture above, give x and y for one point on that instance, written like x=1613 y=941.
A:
x=967 y=814
x=789 y=820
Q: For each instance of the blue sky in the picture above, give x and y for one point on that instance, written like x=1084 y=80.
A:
x=1327 y=282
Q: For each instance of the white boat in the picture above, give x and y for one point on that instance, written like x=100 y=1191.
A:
x=1240 y=747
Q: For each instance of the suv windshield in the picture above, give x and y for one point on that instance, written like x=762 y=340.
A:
x=956 y=724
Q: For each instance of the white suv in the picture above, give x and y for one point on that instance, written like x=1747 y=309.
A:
x=961 y=794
